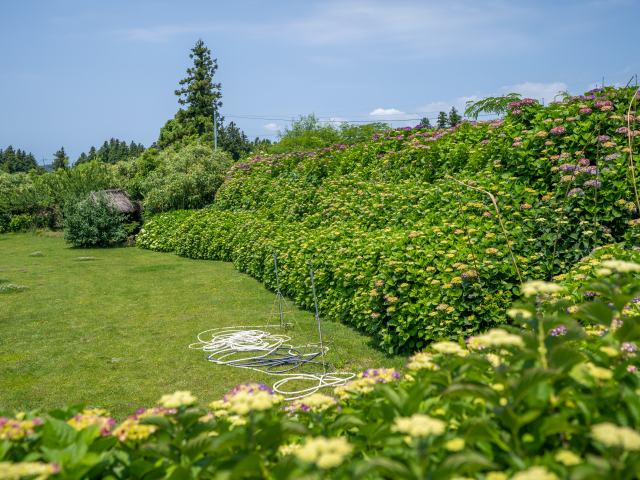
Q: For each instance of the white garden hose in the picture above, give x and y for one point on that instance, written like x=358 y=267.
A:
x=272 y=356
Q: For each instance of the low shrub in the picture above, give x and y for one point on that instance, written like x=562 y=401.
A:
x=541 y=400
x=15 y=223
x=93 y=223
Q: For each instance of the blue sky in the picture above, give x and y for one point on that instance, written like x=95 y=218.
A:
x=77 y=72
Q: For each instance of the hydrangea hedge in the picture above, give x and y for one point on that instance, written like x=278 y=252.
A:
x=542 y=400
x=403 y=250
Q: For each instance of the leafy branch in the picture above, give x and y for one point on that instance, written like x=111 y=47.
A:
x=496 y=105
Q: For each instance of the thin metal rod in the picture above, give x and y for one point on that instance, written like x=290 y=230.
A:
x=579 y=156
x=215 y=131
x=278 y=293
x=504 y=232
x=630 y=136
x=464 y=220
x=315 y=301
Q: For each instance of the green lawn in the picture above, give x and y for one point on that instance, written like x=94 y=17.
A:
x=115 y=332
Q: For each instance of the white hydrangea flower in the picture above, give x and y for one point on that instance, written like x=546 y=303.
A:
x=613 y=436
x=177 y=399
x=621 y=266
x=324 y=452
x=418 y=425
x=497 y=337
x=535 y=473
x=535 y=287
x=452 y=348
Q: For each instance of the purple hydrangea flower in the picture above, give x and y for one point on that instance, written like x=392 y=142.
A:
x=575 y=192
x=559 y=330
x=558 y=130
x=591 y=183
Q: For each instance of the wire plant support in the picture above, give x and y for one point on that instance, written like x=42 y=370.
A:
x=270 y=353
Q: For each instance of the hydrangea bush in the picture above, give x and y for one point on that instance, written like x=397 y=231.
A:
x=522 y=402
x=402 y=230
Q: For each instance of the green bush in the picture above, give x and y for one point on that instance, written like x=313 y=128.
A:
x=404 y=252
x=543 y=400
x=93 y=223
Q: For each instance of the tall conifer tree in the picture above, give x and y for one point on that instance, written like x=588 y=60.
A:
x=454 y=119
x=442 y=120
x=61 y=160
x=200 y=95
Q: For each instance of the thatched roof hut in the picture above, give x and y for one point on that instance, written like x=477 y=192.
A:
x=119 y=200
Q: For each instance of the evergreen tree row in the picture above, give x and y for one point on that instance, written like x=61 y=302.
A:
x=450 y=120
x=14 y=161
x=113 y=151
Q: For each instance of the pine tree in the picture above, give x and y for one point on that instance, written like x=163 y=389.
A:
x=233 y=140
x=454 y=118
x=92 y=154
x=201 y=96
x=9 y=159
x=61 y=160
x=442 y=120
x=83 y=158
x=425 y=122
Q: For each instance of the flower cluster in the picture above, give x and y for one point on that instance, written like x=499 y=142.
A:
x=324 y=452
x=90 y=417
x=422 y=360
x=34 y=470
x=16 y=429
x=316 y=403
x=381 y=375
x=418 y=425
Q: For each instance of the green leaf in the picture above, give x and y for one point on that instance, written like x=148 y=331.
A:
x=344 y=422
x=249 y=466
x=57 y=434
x=462 y=463
x=180 y=473
x=595 y=312
x=481 y=431
x=564 y=358
x=158 y=421
x=620 y=300
x=388 y=467
x=139 y=467
x=196 y=446
x=189 y=418
x=629 y=331
x=472 y=390
x=529 y=380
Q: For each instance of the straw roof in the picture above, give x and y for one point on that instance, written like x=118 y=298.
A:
x=119 y=200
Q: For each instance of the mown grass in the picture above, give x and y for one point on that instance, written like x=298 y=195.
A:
x=115 y=332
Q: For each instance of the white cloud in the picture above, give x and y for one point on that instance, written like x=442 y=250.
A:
x=537 y=91
x=386 y=112
x=272 y=127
